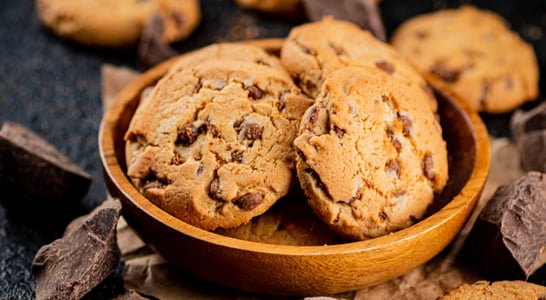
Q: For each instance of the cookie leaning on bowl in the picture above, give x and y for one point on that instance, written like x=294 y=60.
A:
x=498 y=290
x=475 y=53
x=371 y=156
x=211 y=143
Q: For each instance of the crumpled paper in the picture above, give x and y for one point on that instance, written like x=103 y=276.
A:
x=149 y=274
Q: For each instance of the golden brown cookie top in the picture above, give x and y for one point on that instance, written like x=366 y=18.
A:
x=370 y=153
x=476 y=53
x=499 y=290
x=313 y=50
x=211 y=144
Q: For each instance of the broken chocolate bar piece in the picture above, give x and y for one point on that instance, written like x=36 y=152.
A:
x=34 y=172
x=508 y=240
x=529 y=132
x=364 y=13
x=71 y=266
x=152 y=47
x=130 y=295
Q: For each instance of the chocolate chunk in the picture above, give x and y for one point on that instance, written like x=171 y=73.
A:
x=428 y=167
x=187 y=134
x=71 y=266
x=35 y=174
x=508 y=240
x=364 y=13
x=237 y=155
x=214 y=188
x=393 y=166
x=385 y=66
x=407 y=124
x=445 y=73
x=152 y=47
x=251 y=131
x=249 y=201
x=255 y=92
x=529 y=132
x=339 y=132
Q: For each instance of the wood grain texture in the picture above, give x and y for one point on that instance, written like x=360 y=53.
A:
x=301 y=270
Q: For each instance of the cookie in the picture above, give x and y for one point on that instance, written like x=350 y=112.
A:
x=475 y=53
x=289 y=222
x=371 y=156
x=117 y=23
x=498 y=290
x=212 y=144
x=291 y=7
x=313 y=50
x=233 y=51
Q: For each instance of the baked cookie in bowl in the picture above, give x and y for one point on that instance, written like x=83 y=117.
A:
x=333 y=267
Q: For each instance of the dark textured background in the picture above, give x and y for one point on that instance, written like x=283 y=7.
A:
x=53 y=87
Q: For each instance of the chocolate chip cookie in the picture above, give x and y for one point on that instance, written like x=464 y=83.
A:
x=234 y=51
x=498 y=290
x=371 y=155
x=117 y=23
x=476 y=53
x=212 y=144
x=313 y=50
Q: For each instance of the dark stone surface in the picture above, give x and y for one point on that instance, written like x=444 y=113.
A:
x=53 y=87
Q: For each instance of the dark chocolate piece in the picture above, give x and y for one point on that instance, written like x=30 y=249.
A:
x=529 y=132
x=71 y=266
x=508 y=240
x=33 y=172
x=364 y=13
x=152 y=47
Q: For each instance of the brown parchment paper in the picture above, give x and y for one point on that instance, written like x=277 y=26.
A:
x=149 y=274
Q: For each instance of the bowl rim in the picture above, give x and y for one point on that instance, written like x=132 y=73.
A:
x=464 y=198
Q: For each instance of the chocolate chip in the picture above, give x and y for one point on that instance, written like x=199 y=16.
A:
x=199 y=170
x=421 y=34
x=237 y=155
x=187 y=134
x=281 y=104
x=339 y=132
x=262 y=62
x=152 y=47
x=211 y=129
x=444 y=72
x=197 y=86
x=249 y=201
x=177 y=159
x=214 y=188
x=178 y=19
x=251 y=131
x=255 y=92
x=395 y=142
x=385 y=66
x=337 y=50
x=393 y=166
x=313 y=115
x=382 y=216
x=318 y=182
x=428 y=167
x=407 y=124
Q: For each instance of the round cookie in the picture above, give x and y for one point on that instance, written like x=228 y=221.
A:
x=371 y=156
x=118 y=23
x=474 y=52
x=233 y=51
x=289 y=222
x=314 y=50
x=212 y=144
x=498 y=290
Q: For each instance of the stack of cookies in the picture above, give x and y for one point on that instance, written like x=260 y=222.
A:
x=231 y=129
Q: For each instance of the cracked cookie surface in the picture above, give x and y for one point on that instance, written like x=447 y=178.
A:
x=314 y=50
x=212 y=144
x=475 y=53
x=371 y=156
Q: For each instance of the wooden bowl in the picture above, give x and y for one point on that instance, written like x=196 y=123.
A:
x=301 y=270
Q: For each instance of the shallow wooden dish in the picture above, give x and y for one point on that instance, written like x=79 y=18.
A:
x=301 y=270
